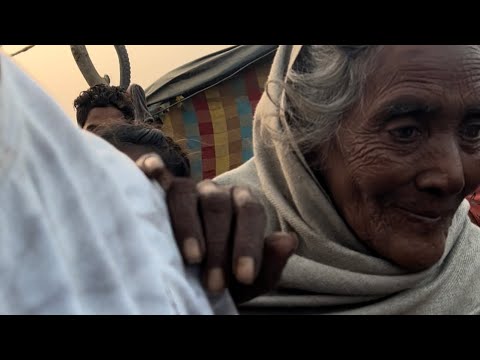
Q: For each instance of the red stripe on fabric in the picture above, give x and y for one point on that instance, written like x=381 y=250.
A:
x=251 y=83
x=209 y=174
x=205 y=128
x=208 y=152
x=200 y=101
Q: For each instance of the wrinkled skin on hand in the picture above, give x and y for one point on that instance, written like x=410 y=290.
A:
x=222 y=228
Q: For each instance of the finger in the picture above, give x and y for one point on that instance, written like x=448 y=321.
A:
x=279 y=247
x=182 y=203
x=248 y=235
x=154 y=168
x=216 y=209
x=182 y=200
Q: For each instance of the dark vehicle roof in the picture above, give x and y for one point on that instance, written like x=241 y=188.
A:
x=204 y=72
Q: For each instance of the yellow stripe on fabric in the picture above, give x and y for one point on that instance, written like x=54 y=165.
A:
x=222 y=164
x=222 y=147
x=167 y=127
x=178 y=125
x=212 y=93
x=219 y=125
x=262 y=72
x=179 y=135
x=221 y=139
x=217 y=113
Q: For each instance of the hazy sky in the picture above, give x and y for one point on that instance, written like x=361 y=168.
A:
x=56 y=71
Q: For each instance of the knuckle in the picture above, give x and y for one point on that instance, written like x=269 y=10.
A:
x=152 y=162
x=141 y=160
x=216 y=201
x=243 y=196
x=214 y=198
x=217 y=249
x=244 y=201
x=206 y=185
x=217 y=252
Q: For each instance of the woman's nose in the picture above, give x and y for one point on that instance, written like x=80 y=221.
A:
x=444 y=173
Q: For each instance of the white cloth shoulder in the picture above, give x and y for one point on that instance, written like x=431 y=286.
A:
x=82 y=230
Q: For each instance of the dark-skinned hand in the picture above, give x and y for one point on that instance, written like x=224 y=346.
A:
x=222 y=228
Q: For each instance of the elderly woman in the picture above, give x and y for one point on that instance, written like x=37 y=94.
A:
x=366 y=153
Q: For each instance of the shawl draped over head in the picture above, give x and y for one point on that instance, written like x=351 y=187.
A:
x=332 y=271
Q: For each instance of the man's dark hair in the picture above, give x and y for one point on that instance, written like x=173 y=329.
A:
x=103 y=96
x=141 y=134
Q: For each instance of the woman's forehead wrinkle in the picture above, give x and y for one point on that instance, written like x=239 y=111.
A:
x=428 y=74
x=470 y=76
x=466 y=86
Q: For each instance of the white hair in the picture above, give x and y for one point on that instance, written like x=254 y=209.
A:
x=323 y=85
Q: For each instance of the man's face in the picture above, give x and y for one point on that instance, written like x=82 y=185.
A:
x=103 y=116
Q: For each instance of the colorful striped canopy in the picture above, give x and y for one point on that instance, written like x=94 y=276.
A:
x=214 y=126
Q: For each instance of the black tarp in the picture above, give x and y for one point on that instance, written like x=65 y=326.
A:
x=203 y=73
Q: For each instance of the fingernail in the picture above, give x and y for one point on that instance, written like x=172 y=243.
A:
x=154 y=162
x=216 y=281
x=245 y=270
x=191 y=250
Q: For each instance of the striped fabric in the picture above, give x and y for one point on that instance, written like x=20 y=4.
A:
x=215 y=126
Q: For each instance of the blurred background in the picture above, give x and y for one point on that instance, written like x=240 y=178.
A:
x=53 y=67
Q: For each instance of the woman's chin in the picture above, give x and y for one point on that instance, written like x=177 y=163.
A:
x=416 y=253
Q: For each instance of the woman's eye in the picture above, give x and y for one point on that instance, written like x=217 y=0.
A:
x=471 y=132
x=405 y=133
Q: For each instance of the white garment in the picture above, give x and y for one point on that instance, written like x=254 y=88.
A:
x=82 y=230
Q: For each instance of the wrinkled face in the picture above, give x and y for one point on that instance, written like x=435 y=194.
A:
x=409 y=152
x=103 y=116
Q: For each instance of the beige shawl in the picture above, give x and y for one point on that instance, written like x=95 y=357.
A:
x=332 y=272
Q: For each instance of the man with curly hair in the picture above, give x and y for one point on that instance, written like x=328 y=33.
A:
x=111 y=113
x=102 y=105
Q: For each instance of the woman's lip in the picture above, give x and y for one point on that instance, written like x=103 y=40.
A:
x=431 y=218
